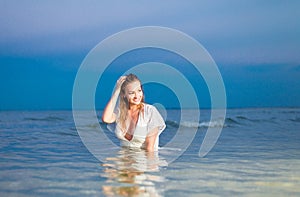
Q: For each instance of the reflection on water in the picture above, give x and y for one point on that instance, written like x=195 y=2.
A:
x=258 y=154
x=133 y=172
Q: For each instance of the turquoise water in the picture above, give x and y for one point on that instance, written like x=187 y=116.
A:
x=257 y=154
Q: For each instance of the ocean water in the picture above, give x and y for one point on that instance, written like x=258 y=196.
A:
x=257 y=154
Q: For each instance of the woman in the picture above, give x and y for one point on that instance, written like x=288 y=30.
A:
x=138 y=125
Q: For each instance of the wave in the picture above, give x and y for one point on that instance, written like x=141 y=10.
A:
x=193 y=124
x=232 y=121
x=242 y=120
x=295 y=119
x=229 y=122
x=49 y=118
x=242 y=117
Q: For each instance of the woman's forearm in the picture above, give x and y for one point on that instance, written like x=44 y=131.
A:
x=108 y=115
x=150 y=140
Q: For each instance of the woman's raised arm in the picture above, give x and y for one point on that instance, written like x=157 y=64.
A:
x=108 y=115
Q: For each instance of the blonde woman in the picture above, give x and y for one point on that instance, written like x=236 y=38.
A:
x=138 y=125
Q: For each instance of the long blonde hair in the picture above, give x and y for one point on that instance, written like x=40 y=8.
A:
x=124 y=103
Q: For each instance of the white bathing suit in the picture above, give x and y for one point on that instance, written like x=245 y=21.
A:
x=148 y=120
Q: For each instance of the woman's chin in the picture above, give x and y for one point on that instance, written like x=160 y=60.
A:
x=136 y=102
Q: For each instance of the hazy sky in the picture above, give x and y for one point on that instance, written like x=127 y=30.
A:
x=256 y=45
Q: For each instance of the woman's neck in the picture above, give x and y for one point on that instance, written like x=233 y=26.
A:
x=133 y=108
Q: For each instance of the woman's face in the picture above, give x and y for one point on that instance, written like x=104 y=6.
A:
x=134 y=93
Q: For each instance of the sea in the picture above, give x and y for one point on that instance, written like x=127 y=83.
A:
x=256 y=153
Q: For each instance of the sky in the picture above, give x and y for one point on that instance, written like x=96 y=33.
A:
x=255 y=45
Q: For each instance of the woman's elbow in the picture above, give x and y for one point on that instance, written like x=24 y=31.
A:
x=107 y=120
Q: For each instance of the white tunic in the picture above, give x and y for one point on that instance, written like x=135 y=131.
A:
x=147 y=121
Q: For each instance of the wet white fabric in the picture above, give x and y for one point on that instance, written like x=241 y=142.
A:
x=147 y=121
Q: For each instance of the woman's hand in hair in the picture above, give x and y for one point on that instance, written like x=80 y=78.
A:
x=119 y=84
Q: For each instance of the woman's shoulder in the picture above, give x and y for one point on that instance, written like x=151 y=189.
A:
x=148 y=107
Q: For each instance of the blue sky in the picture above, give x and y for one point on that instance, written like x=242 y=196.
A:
x=255 y=44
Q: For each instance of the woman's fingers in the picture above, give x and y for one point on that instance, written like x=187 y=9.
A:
x=121 y=80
